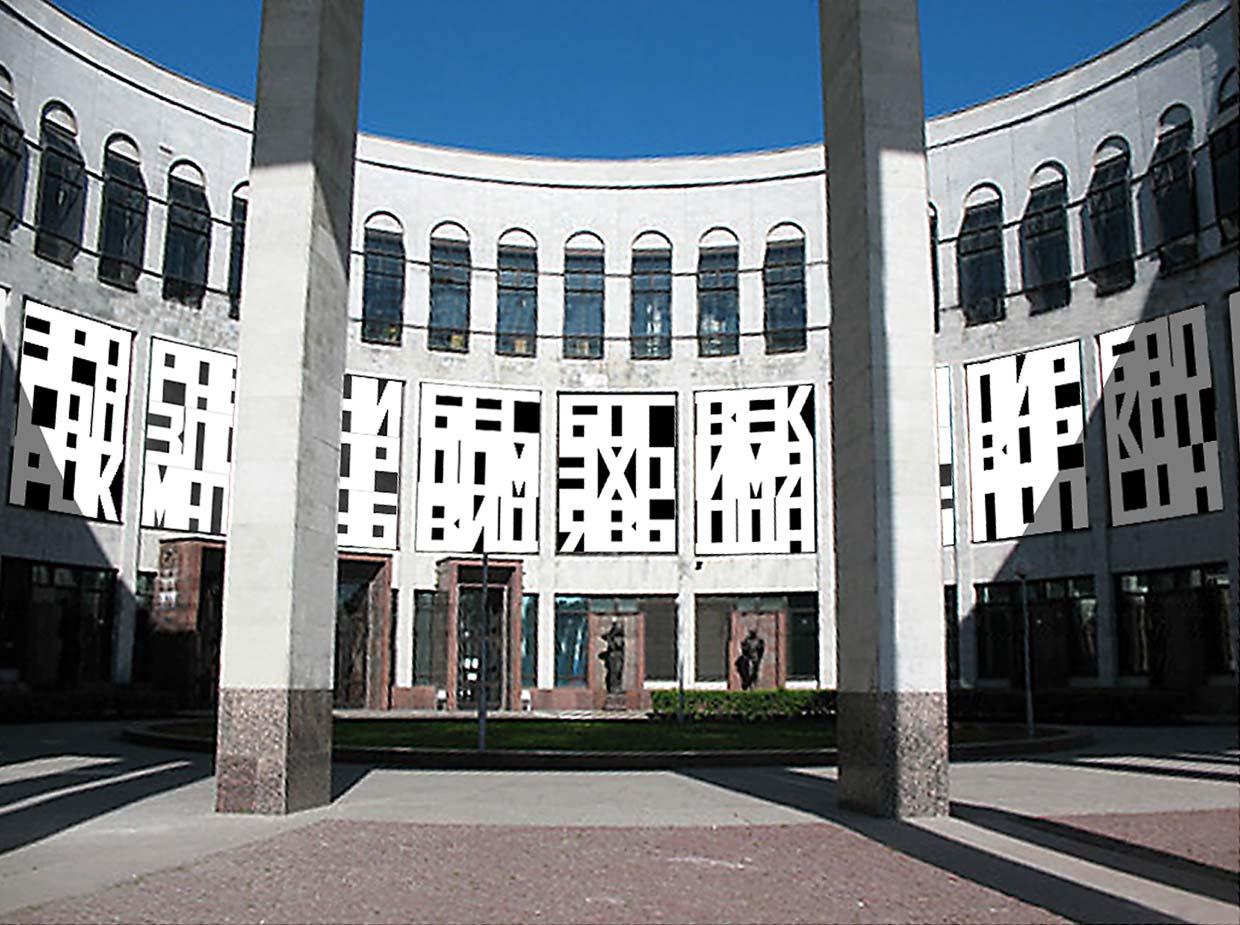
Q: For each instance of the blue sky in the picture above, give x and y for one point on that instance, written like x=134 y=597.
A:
x=621 y=78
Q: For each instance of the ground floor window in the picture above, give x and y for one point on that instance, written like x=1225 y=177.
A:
x=713 y=627
x=952 y=633
x=1063 y=620
x=571 y=641
x=1172 y=625
x=423 y=641
x=803 y=636
x=55 y=624
x=529 y=640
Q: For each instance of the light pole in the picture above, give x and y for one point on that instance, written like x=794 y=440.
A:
x=1024 y=615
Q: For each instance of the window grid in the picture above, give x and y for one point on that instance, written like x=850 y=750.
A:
x=718 y=302
x=1225 y=163
x=516 y=323
x=449 y=320
x=383 y=287
x=187 y=243
x=783 y=283
x=236 y=254
x=122 y=226
x=62 y=197
x=12 y=168
x=979 y=258
x=1171 y=178
x=583 y=305
x=1044 y=247
x=651 y=331
x=1107 y=220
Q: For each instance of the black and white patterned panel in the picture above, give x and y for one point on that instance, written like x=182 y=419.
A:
x=478 y=469
x=189 y=438
x=754 y=470
x=1162 y=442
x=947 y=492
x=69 y=445
x=369 y=490
x=616 y=476
x=1026 y=443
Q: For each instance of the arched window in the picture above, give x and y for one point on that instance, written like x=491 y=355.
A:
x=1106 y=219
x=583 y=297
x=718 y=294
x=122 y=218
x=383 y=280
x=187 y=241
x=61 y=208
x=979 y=257
x=12 y=159
x=1175 y=200
x=450 y=270
x=1044 y=241
x=516 y=317
x=236 y=246
x=1225 y=158
x=933 y=214
x=650 y=335
x=783 y=289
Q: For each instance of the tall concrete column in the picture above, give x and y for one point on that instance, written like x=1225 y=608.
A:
x=892 y=730
x=274 y=736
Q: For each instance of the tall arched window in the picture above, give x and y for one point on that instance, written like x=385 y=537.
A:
x=122 y=218
x=12 y=159
x=1175 y=200
x=61 y=207
x=236 y=246
x=718 y=294
x=583 y=297
x=450 y=271
x=516 y=316
x=979 y=257
x=933 y=215
x=1044 y=241
x=651 y=286
x=783 y=289
x=383 y=280
x=1106 y=219
x=1225 y=158
x=187 y=241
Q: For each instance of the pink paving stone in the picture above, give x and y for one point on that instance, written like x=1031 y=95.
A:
x=1207 y=836
x=345 y=871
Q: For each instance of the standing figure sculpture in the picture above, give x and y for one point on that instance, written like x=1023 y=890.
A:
x=748 y=662
x=612 y=657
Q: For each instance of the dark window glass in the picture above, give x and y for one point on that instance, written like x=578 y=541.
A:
x=718 y=302
x=423 y=639
x=934 y=265
x=651 y=332
x=1044 y=247
x=1225 y=161
x=236 y=254
x=952 y=635
x=1175 y=203
x=449 y=326
x=583 y=304
x=783 y=284
x=517 y=309
x=997 y=615
x=979 y=263
x=803 y=637
x=383 y=287
x=713 y=624
x=571 y=641
x=1173 y=627
x=1107 y=221
x=62 y=197
x=662 y=648
x=12 y=168
x=529 y=640
x=187 y=243
x=122 y=231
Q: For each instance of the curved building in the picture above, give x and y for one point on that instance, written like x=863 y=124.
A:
x=612 y=377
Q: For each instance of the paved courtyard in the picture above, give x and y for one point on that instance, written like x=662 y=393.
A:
x=1142 y=826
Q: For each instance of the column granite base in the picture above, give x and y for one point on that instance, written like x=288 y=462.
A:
x=893 y=753
x=273 y=750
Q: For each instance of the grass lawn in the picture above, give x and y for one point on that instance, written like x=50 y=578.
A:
x=585 y=735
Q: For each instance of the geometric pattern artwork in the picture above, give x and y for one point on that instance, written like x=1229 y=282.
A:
x=189 y=438
x=369 y=487
x=69 y=446
x=1026 y=443
x=616 y=473
x=947 y=494
x=754 y=470
x=478 y=469
x=1162 y=442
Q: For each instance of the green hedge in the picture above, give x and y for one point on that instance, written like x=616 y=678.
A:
x=745 y=705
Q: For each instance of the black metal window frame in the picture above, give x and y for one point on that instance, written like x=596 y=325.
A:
x=451 y=269
x=584 y=304
x=1174 y=194
x=122 y=221
x=12 y=168
x=187 y=242
x=650 y=332
x=383 y=287
x=516 y=309
x=1225 y=169
x=981 y=269
x=236 y=252
x=1046 y=260
x=718 y=298
x=1106 y=219
x=783 y=296
x=60 y=211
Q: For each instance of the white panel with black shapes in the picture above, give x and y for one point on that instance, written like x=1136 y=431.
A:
x=189 y=438
x=947 y=493
x=369 y=489
x=616 y=475
x=1027 y=444
x=69 y=445
x=754 y=470
x=478 y=469
x=1162 y=442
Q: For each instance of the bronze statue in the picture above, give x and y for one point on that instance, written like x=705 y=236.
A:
x=747 y=663
x=613 y=657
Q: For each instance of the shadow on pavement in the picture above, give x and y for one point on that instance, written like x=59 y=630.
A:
x=817 y=796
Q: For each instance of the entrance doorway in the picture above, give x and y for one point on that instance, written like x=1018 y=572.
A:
x=363 y=621
x=472 y=622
